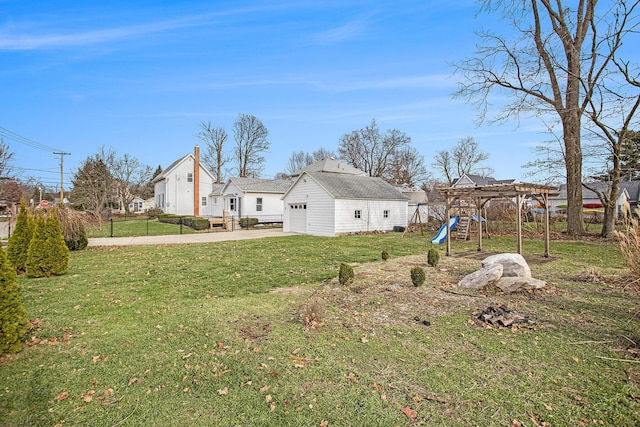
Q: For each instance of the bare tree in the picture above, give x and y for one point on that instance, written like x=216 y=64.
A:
x=551 y=66
x=372 y=151
x=465 y=158
x=251 y=141
x=301 y=159
x=612 y=111
x=214 y=157
x=408 y=168
x=130 y=177
x=6 y=157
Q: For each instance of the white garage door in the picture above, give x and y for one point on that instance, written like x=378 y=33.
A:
x=298 y=217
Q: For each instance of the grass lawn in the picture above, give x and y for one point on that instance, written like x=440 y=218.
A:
x=211 y=334
x=137 y=227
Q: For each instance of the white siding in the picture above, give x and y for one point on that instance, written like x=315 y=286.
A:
x=371 y=215
x=320 y=207
x=174 y=194
x=216 y=205
x=272 y=207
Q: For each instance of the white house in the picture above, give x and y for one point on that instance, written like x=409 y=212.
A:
x=330 y=198
x=139 y=205
x=183 y=188
x=255 y=198
x=628 y=193
x=216 y=200
x=467 y=180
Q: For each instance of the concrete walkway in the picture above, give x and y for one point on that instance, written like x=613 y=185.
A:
x=179 y=239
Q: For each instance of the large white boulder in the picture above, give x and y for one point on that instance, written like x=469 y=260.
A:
x=513 y=284
x=513 y=265
x=481 y=278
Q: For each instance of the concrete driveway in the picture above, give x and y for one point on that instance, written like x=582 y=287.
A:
x=180 y=239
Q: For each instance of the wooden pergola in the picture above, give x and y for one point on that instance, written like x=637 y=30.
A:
x=479 y=195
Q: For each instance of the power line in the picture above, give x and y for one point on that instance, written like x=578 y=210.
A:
x=10 y=135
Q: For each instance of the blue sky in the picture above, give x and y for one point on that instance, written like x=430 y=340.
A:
x=141 y=76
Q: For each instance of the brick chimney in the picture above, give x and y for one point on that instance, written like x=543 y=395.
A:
x=196 y=182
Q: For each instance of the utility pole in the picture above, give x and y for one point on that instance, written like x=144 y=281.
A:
x=62 y=154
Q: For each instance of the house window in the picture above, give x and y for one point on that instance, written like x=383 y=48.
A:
x=189 y=177
x=232 y=205
x=259 y=204
x=204 y=201
x=215 y=200
x=385 y=214
x=358 y=214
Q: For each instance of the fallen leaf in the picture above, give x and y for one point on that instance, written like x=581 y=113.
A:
x=186 y=390
x=364 y=339
x=324 y=423
x=135 y=380
x=268 y=398
x=223 y=391
x=412 y=414
x=272 y=407
x=516 y=423
x=575 y=359
x=62 y=396
x=296 y=351
x=549 y=407
x=88 y=397
x=95 y=359
x=263 y=389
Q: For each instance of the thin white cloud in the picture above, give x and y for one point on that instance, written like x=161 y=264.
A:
x=15 y=37
x=348 y=31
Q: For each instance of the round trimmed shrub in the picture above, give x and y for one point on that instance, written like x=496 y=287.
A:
x=385 y=255
x=417 y=276
x=345 y=275
x=433 y=257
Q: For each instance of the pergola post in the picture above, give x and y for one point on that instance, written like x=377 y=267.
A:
x=545 y=202
x=478 y=203
x=519 y=223
x=446 y=224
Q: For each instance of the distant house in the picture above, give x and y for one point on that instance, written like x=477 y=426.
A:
x=628 y=193
x=183 y=187
x=467 y=180
x=330 y=198
x=255 y=198
x=139 y=205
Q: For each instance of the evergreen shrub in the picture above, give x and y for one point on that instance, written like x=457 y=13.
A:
x=433 y=257
x=13 y=317
x=345 y=275
x=18 y=245
x=417 y=276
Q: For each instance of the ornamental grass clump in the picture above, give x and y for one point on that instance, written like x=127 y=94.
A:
x=345 y=275
x=629 y=238
x=417 y=276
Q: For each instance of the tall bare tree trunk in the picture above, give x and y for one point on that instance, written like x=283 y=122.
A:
x=573 y=164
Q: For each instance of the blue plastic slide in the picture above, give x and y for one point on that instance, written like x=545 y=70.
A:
x=442 y=233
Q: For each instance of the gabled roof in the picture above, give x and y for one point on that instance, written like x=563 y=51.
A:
x=167 y=171
x=257 y=185
x=354 y=187
x=482 y=180
x=329 y=165
x=216 y=189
